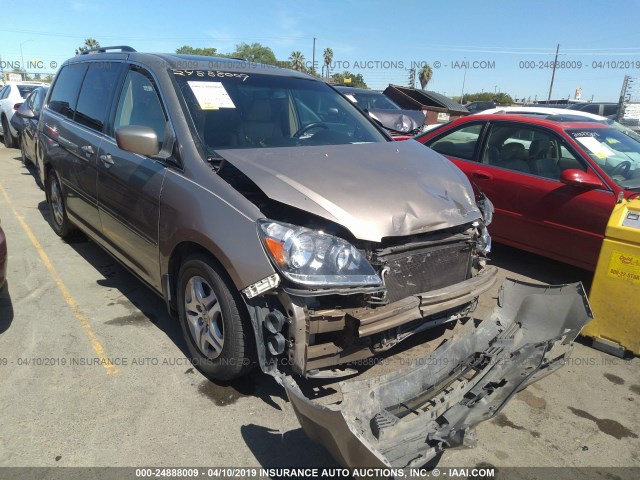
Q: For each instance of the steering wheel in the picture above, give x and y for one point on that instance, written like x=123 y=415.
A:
x=303 y=130
x=622 y=168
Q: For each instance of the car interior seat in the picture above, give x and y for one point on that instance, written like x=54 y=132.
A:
x=444 y=148
x=258 y=125
x=491 y=155
x=541 y=159
x=513 y=156
x=221 y=128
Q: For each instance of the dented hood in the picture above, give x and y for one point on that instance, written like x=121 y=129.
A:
x=398 y=121
x=374 y=190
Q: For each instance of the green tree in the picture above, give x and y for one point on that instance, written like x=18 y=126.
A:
x=255 y=52
x=327 y=58
x=297 y=61
x=89 y=43
x=425 y=75
x=500 y=98
x=349 y=79
x=206 y=51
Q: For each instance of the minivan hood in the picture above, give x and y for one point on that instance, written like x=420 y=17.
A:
x=374 y=190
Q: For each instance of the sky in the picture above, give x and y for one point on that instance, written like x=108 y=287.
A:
x=472 y=46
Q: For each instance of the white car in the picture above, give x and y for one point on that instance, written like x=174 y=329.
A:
x=565 y=112
x=11 y=97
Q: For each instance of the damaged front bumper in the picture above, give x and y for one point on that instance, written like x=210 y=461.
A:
x=404 y=418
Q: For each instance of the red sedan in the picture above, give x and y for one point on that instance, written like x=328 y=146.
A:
x=553 y=183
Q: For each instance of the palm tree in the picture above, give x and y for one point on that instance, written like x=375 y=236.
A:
x=297 y=60
x=89 y=43
x=327 y=57
x=425 y=75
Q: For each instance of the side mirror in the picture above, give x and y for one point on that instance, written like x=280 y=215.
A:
x=25 y=112
x=137 y=139
x=578 y=178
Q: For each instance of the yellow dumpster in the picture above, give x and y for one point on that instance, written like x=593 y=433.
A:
x=615 y=292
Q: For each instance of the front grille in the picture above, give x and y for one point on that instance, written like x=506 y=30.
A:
x=425 y=269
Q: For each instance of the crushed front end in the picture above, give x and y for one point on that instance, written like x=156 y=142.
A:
x=416 y=283
x=411 y=412
x=378 y=319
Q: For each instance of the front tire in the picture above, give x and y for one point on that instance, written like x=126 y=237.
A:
x=214 y=321
x=57 y=208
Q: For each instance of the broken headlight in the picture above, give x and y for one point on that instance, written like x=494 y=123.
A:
x=313 y=258
x=486 y=207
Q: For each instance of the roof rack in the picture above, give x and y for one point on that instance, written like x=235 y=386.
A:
x=122 y=48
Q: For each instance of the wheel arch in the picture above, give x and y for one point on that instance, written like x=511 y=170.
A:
x=180 y=252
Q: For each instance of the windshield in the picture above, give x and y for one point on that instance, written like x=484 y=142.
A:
x=372 y=101
x=615 y=152
x=248 y=110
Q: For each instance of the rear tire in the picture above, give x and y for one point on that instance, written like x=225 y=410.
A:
x=214 y=321
x=9 y=139
x=57 y=208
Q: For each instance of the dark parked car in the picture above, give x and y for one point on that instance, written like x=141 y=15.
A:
x=3 y=257
x=25 y=121
x=604 y=109
x=554 y=180
x=396 y=120
x=284 y=229
x=476 y=107
x=12 y=96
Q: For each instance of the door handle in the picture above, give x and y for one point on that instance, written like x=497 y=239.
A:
x=87 y=149
x=106 y=160
x=482 y=175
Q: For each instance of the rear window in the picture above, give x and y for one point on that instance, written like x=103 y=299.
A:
x=26 y=89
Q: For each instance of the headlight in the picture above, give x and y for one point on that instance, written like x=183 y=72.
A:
x=313 y=258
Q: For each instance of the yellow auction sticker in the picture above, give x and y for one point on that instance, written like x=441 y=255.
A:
x=624 y=266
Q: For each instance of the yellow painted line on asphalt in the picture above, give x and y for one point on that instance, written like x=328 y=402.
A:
x=93 y=339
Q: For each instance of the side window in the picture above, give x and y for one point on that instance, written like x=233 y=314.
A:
x=528 y=150
x=65 y=91
x=4 y=92
x=609 y=110
x=140 y=104
x=460 y=143
x=96 y=93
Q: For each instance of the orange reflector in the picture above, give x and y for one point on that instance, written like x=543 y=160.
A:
x=277 y=249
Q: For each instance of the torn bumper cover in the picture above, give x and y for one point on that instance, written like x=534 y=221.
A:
x=406 y=417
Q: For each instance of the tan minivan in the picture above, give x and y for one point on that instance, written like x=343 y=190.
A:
x=286 y=230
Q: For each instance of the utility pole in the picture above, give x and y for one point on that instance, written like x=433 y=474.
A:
x=625 y=96
x=555 y=62
x=412 y=77
x=313 y=60
x=464 y=79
